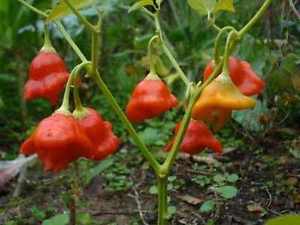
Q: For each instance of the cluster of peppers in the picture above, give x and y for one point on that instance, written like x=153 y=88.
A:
x=227 y=92
x=151 y=97
x=64 y=137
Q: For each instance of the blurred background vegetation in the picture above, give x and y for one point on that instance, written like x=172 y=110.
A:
x=272 y=47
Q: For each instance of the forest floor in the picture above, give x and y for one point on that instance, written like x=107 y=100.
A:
x=121 y=190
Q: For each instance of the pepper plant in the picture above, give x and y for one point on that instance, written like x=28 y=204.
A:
x=66 y=136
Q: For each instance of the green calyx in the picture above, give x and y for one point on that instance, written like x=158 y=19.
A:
x=47 y=47
x=80 y=113
x=152 y=76
x=63 y=110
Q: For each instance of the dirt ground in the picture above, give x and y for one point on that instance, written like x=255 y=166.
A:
x=268 y=186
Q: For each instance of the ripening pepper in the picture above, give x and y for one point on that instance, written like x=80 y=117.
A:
x=47 y=77
x=100 y=134
x=58 y=140
x=196 y=139
x=218 y=99
x=242 y=75
x=150 y=98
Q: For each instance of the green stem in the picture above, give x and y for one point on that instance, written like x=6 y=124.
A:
x=229 y=42
x=47 y=42
x=71 y=42
x=254 y=19
x=64 y=108
x=168 y=52
x=116 y=107
x=151 y=54
x=95 y=52
x=41 y=13
x=216 y=27
x=165 y=168
x=77 y=100
x=218 y=42
x=162 y=200
x=61 y=29
x=85 y=22
x=78 y=105
x=74 y=193
x=143 y=148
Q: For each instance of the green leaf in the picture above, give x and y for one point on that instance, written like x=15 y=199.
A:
x=225 y=5
x=150 y=135
x=171 y=212
x=203 y=7
x=285 y=220
x=153 y=190
x=37 y=213
x=103 y=165
x=219 y=178
x=227 y=192
x=249 y=119
x=207 y=206
x=84 y=218
x=232 y=178
x=62 y=9
x=4 y=5
x=140 y=4
x=60 y=219
x=1 y=103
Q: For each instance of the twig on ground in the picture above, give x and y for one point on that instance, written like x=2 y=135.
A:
x=132 y=212
x=20 y=182
x=136 y=197
x=270 y=197
x=208 y=160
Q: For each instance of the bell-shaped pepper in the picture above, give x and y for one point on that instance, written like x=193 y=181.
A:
x=47 y=77
x=196 y=139
x=58 y=140
x=217 y=101
x=242 y=75
x=100 y=134
x=150 y=98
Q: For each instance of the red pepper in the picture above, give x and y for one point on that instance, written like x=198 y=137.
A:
x=242 y=75
x=100 y=134
x=58 y=140
x=47 y=77
x=196 y=139
x=150 y=98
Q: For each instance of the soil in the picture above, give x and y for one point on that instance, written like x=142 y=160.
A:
x=268 y=186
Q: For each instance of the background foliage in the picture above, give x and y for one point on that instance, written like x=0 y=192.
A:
x=272 y=47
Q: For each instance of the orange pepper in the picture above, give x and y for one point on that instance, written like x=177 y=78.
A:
x=217 y=101
x=242 y=75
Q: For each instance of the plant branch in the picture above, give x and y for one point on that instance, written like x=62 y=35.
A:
x=162 y=200
x=293 y=7
x=85 y=22
x=141 y=145
x=61 y=29
x=64 y=108
x=227 y=52
x=168 y=52
x=95 y=48
x=165 y=168
x=254 y=19
x=41 y=13
x=151 y=54
x=71 y=42
x=218 y=42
